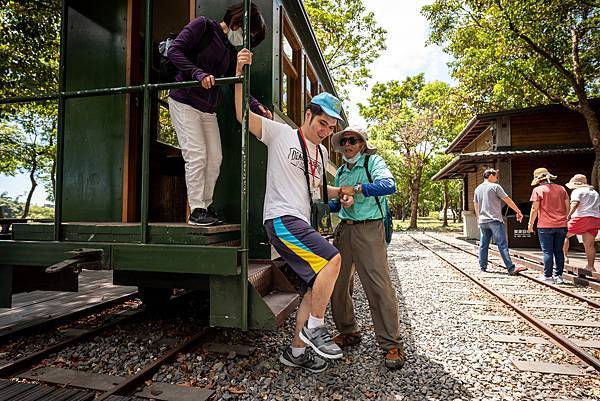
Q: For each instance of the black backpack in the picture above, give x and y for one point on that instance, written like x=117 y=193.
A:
x=168 y=71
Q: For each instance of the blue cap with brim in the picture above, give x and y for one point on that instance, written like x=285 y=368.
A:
x=330 y=104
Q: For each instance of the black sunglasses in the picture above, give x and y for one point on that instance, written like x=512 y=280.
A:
x=352 y=141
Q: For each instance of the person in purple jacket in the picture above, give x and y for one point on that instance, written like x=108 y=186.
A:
x=205 y=50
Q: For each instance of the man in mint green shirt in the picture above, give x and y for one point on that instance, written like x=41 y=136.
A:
x=360 y=238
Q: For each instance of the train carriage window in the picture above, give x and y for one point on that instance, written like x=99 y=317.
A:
x=291 y=72
x=310 y=82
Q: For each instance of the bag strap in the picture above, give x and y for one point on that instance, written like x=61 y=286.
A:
x=370 y=182
x=324 y=177
x=305 y=165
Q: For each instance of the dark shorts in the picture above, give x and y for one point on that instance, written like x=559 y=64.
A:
x=303 y=248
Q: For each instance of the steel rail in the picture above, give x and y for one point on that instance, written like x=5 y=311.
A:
x=131 y=383
x=528 y=264
x=7 y=334
x=25 y=362
x=554 y=335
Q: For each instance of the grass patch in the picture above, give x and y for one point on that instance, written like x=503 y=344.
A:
x=430 y=223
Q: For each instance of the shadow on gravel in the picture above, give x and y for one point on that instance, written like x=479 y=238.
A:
x=359 y=375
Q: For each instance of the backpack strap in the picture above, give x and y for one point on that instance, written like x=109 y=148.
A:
x=370 y=182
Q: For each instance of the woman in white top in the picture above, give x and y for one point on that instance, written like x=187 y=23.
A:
x=584 y=216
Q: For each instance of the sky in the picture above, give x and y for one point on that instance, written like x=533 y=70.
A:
x=406 y=55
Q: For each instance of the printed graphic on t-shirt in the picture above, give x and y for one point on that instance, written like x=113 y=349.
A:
x=297 y=160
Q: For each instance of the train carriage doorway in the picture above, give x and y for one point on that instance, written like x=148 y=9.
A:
x=167 y=201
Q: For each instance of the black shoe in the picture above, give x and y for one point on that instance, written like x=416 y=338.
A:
x=213 y=213
x=305 y=361
x=200 y=217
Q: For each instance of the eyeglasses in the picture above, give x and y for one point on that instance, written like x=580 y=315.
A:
x=351 y=140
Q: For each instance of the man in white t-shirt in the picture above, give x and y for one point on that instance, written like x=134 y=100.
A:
x=287 y=216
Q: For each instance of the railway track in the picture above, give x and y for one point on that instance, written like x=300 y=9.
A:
x=52 y=321
x=572 y=292
x=583 y=347
x=23 y=378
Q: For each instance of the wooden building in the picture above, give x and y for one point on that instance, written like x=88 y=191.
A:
x=516 y=142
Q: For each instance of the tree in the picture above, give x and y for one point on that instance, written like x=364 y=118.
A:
x=413 y=120
x=349 y=38
x=29 y=54
x=34 y=152
x=520 y=53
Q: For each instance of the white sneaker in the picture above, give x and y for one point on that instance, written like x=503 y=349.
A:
x=545 y=279
x=558 y=280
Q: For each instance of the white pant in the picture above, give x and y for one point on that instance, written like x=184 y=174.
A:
x=200 y=142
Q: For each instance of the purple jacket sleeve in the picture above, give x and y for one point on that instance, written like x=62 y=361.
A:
x=254 y=106
x=182 y=47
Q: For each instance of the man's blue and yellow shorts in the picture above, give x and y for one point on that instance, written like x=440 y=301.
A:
x=303 y=248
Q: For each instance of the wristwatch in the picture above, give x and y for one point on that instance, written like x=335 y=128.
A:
x=357 y=188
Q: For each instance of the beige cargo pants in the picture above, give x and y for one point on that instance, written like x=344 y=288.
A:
x=363 y=249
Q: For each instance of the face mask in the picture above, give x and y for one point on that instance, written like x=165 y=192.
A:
x=236 y=37
x=352 y=160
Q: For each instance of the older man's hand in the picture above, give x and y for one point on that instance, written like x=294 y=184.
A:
x=346 y=190
x=347 y=200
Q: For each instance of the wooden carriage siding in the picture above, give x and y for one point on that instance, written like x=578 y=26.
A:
x=516 y=142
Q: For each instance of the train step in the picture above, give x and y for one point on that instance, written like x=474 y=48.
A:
x=272 y=298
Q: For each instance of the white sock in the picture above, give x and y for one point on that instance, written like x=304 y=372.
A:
x=315 y=321
x=296 y=352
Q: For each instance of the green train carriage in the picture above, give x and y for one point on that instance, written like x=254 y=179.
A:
x=120 y=195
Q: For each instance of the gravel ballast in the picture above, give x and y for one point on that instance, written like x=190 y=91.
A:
x=450 y=355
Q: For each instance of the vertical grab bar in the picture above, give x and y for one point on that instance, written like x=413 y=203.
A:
x=146 y=124
x=60 y=128
x=244 y=173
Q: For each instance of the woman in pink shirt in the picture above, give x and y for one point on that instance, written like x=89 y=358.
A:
x=550 y=206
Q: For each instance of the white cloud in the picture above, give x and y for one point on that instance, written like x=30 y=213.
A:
x=406 y=53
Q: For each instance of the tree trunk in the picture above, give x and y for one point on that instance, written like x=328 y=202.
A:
x=414 y=197
x=33 y=185
x=445 y=207
x=593 y=123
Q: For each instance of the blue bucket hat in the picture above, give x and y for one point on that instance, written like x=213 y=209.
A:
x=330 y=104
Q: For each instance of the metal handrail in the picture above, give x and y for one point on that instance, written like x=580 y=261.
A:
x=119 y=90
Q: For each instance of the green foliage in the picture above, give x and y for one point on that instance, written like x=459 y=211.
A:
x=13 y=208
x=512 y=54
x=29 y=47
x=29 y=54
x=413 y=121
x=350 y=39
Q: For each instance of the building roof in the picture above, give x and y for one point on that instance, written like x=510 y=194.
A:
x=481 y=122
x=467 y=162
